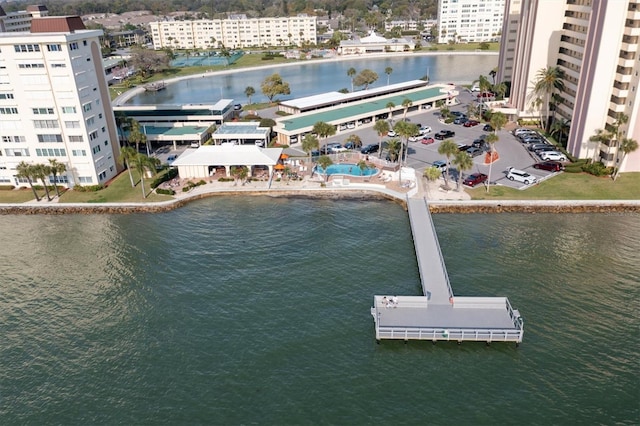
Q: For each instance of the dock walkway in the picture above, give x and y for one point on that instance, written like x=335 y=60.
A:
x=439 y=314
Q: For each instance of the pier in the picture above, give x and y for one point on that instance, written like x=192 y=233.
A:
x=439 y=315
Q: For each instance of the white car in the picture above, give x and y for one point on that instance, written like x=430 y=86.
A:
x=553 y=156
x=392 y=134
x=425 y=129
x=520 y=176
x=415 y=138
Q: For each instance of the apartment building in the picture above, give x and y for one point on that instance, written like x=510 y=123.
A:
x=20 y=20
x=236 y=32
x=470 y=20
x=595 y=43
x=55 y=104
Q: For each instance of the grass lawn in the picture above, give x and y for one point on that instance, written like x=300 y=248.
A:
x=568 y=186
x=118 y=191
x=460 y=47
x=19 y=195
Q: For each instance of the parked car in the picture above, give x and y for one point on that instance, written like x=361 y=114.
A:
x=460 y=120
x=351 y=125
x=427 y=141
x=480 y=144
x=534 y=146
x=520 y=176
x=458 y=113
x=488 y=128
x=237 y=107
x=259 y=142
x=336 y=148
x=471 y=123
x=171 y=158
x=415 y=138
x=553 y=156
x=474 y=179
x=369 y=149
x=444 y=134
x=425 y=129
x=440 y=165
x=551 y=166
x=546 y=148
x=392 y=134
x=463 y=147
x=350 y=145
x=473 y=151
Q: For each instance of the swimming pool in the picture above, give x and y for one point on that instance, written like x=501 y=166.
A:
x=347 y=169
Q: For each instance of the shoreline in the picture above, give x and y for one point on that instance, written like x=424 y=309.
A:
x=123 y=98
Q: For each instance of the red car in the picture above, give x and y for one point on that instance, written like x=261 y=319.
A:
x=552 y=166
x=471 y=123
x=427 y=141
x=474 y=179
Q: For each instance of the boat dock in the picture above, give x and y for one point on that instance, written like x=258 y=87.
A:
x=155 y=87
x=439 y=314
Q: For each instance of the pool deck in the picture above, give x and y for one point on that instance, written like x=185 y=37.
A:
x=439 y=314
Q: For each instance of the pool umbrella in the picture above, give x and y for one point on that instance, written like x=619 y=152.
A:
x=284 y=156
x=279 y=167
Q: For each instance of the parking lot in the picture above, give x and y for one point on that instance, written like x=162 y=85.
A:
x=512 y=152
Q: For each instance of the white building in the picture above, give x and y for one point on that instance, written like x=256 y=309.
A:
x=374 y=43
x=55 y=104
x=234 y=33
x=20 y=20
x=470 y=20
x=595 y=44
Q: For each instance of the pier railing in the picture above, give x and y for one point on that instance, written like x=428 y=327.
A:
x=444 y=267
x=450 y=334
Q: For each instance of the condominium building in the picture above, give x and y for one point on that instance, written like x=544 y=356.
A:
x=20 y=20
x=470 y=20
x=55 y=104
x=595 y=44
x=234 y=33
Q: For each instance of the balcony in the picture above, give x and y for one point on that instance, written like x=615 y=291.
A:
x=620 y=93
x=616 y=108
x=625 y=63
x=628 y=47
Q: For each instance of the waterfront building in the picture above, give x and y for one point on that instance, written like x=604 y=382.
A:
x=236 y=32
x=374 y=43
x=55 y=104
x=470 y=20
x=20 y=20
x=595 y=45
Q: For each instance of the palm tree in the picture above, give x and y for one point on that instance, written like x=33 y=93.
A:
x=560 y=128
x=324 y=130
x=25 y=171
x=381 y=128
x=141 y=163
x=56 y=169
x=249 y=91
x=406 y=104
x=309 y=143
x=355 y=140
x=497 y=121
x=351 y=72
x=483 y=83
x=41 y=171
x=391 y=106
x=431 y=174
x=548 y=81
x=324 y=162
x=388 y=71
x=601 y=136
x=136 y=135
x=122 y=122
x=241 y=172
x=448 y=148
x=128 y=156
x=405 y=130
x=463 y=162
x=493 y=73
x=362 y=165
x=627 y=145
x=393 y=147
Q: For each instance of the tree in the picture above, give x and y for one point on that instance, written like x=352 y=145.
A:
x=41 y=171
x=463 y=162
x=448 y=148
x=123 y=122
x=273 y=85
x=406 y=104
x=393 y=147
x=627 y=146
x=381 y=128
x=56 y=169
x=560 y=128
x=497 y=121
x=483 y=83
x=351 y=72
x=240 y=173
x=548 y=81
x=148 y=61
x=324 y=130
x=136 y=135
x=391 y=106
x=249 y=91
x=362 y=165
x=324 y=162
x=365 y=78
x=127 y=157
x=309 y=143
x=405 y=130
x=354 y=140
x=25 y=171
x=493 y=73
x=141 y=163
x=431 y=174
x=388 y=71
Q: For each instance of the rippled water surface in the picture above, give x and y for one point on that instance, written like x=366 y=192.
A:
x=256 y=311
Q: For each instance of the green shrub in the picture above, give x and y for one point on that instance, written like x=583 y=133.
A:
x=163 y=191
x=186 y=188
x=573 y=168
x=225 y=179
x=449 y=120
x=433 y=48
x=201 y=182
x=90 y=188
x=597 y=169
x=164 y=176
x=6 y=187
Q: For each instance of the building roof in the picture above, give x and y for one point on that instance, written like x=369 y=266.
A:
x=373 y=38
x=57 y=24
x=229 y=155
x=174 y=131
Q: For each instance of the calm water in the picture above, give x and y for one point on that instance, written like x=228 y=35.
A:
x=256 y=311
x=320 y=77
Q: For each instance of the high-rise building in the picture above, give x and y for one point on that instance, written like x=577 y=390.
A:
x=470 y=20
x=55 y=103
x=20 y=20
x=234 y=33
x=595 y=45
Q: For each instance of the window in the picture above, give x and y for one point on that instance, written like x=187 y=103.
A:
x=102 y=175
x=59 y=179
x=50 y=152
x=90 y=121
x=17 y=152
x=69 y=110
x=6 y=95
x=79 y=153
x=49 y=138
x=76 y=138
x=38 y=111
x=45 y=124
x=73 y=46
x=72 y=124
x=54 y=48
x=8 y=110
x=85 y=179
x=28 y=66
x=16 y=139
x=96 y=149
x=104 y=129
x=58 y=65
x=106 y=143
x=84 y=42
x=86 y=107
x=26 y=48
x=93 y=135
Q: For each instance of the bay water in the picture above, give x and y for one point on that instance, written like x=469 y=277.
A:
x=256 y=311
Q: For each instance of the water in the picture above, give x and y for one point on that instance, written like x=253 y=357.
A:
x=308 y=79
x=256 y=311
x=348 y=169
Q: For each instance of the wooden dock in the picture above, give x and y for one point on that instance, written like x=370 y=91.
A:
x=439 y=314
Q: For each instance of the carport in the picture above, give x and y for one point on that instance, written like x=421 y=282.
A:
x=199 y=162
